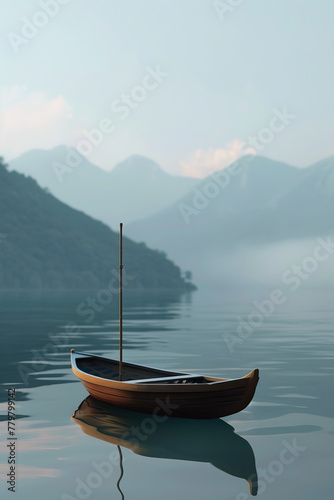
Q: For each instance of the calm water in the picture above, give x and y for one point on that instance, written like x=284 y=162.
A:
x=288 y=429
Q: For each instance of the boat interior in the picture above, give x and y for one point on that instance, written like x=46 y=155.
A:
x=108 y=369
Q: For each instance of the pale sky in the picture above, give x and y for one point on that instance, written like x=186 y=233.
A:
x=173 y=80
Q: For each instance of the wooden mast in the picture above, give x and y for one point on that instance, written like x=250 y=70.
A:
x=120 y=304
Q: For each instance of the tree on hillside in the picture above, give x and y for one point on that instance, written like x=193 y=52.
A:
x=188 y=276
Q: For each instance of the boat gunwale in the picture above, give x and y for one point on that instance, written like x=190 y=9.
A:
x=132 y=386
x=125 y=363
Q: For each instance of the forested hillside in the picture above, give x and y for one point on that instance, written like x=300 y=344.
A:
x=46 y=244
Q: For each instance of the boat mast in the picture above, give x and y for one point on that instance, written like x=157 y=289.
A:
x=120 y=304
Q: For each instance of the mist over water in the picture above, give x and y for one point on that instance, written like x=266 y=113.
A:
x=289 y=264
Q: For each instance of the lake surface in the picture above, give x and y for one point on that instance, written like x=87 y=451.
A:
x=286 y=435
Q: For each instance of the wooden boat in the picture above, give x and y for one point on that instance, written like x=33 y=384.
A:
x=159 y=392
x=211 y=441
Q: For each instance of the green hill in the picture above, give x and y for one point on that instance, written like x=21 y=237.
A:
x=45 y=244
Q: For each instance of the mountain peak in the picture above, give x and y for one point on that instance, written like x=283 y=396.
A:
x=136 y=188
x=262 y=162
x=137 y=165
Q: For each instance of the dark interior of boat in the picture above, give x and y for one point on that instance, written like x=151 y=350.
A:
x=108 y=369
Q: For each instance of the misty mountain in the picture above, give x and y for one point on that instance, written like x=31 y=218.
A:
x=230 y=218
x=134 y=189
x=45 y=244
x=225 y=209
x=307 y=208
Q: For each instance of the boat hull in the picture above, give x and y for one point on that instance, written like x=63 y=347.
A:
x=197 y=397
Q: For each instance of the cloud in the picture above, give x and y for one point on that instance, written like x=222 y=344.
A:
x=204 y=162
x=33 y=120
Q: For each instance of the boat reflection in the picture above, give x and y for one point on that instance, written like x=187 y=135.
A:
x=212 y=441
